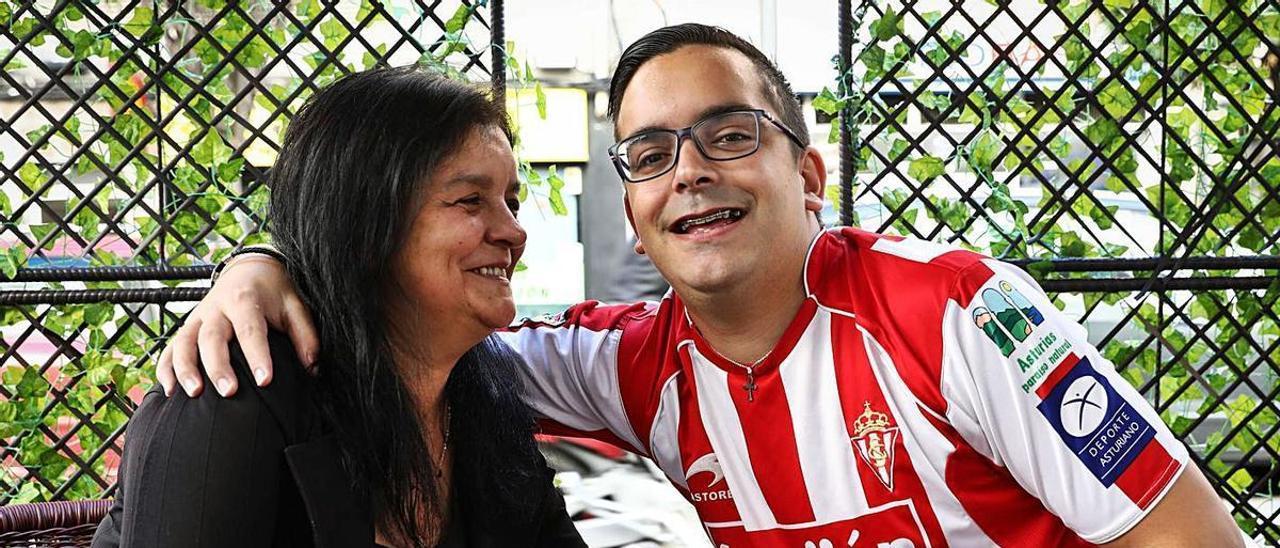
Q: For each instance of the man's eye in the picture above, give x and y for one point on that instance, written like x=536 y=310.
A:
x=733 y=137
x=514 y=205
x=651 y=158
x=470 y=201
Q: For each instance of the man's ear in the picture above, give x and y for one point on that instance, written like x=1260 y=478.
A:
x=813 y=173
x=626 y=205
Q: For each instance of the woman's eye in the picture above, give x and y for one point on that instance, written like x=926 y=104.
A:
x=514 y=205
x=470 y=201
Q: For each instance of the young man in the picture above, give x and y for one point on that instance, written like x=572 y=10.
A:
x=805 y=387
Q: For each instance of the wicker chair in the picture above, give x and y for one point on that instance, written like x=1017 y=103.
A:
x=66 y=523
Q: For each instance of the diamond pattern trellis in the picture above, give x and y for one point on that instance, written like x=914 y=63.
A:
x=1143 y=133
x=136 y=133
x=134 y=137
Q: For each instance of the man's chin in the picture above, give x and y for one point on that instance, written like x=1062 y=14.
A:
x=712 y=280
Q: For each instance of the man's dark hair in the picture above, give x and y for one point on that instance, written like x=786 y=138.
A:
x=344 y=192
x=668 y=39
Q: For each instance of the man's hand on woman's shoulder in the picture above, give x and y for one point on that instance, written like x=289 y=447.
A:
x=247 y=300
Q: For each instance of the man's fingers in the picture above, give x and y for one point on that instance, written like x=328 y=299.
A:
x=183 y=353
x=251 y=333
x=164 y=371
x=302 y=332
x=214 y=335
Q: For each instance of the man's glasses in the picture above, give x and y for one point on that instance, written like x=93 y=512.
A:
x=719 y=137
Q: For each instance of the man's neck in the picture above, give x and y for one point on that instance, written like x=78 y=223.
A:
x=746 y=322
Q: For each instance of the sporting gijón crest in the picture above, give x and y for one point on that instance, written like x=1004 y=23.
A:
x=874 y=436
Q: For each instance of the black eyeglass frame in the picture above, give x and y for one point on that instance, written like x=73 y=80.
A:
x=687 y=132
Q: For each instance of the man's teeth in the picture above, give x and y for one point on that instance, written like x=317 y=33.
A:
x=491 y=271
x=721 y=215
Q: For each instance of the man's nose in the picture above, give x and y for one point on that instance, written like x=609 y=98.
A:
x=692 y=169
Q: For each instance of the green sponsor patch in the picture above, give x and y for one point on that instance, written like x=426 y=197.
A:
x=1040 y=359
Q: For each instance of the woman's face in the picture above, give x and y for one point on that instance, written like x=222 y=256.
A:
x=456 y=263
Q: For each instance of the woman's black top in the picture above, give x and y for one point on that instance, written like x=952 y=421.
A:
x=258 y=469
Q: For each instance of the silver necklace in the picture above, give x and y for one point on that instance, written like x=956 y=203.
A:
x=750 y=387
x=444 y=446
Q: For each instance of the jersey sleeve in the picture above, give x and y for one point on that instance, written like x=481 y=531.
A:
x=1027 y=389
x=572 y=379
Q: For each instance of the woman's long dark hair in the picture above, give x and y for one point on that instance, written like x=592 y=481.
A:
x=345 y=189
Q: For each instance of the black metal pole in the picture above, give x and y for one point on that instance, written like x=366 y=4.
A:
x=847 y=170
x=498 y=52
x=1152 y=264
x=159 y=295
x=162 y=295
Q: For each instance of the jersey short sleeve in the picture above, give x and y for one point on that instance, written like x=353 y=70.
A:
x=1027 y=389
x=572 y=376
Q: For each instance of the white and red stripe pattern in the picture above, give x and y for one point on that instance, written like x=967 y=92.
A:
x=892 y=411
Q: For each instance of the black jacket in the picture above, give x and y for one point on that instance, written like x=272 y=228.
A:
x=257 y=469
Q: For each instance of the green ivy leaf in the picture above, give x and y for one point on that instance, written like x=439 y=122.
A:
x=1103 y=133
x=926 y=168
x=11 y=260
x=98 y=314
x=371 y=58
x=888 y=26
x=897 y=149
x=459 y=19
x=142 y=25
x=935 y=101
x=873 y=59
x=334 y=32
x=827 y=103
x=1099 y=215
x=210 y=150
x=32 y=384
x=38 y=133
x=983 y=152
x=41 y=232
x=555 y=196
x=1116 y=99
x=83 y=42
x=833 y=133
x=229 y=172
x=540 y=99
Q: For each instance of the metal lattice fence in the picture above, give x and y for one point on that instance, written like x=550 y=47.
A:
x=133 y=141
x=1128 y=153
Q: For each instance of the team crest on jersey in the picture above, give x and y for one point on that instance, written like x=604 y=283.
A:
x=1007 y=317
x=874 y=436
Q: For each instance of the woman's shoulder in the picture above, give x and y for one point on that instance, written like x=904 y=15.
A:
x=288 y=375
x=285 y=401
x=287 y=396
x=207 y=469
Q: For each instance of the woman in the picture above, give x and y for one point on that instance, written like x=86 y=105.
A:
x=394 y=199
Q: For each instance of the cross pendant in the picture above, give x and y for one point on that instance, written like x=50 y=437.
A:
x=750 y=387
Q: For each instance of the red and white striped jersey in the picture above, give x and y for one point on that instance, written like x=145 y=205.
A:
x=923 y=396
